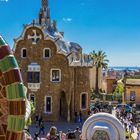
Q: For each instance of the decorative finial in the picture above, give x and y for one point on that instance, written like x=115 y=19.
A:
x=45 y=3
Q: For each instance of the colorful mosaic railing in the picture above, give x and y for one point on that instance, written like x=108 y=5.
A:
x=12 y=89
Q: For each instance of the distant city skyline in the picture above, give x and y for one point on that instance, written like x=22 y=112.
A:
x=110 y=26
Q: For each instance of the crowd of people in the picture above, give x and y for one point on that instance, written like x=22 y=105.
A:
x=53 y=133
x=128 y=121
x=101 y=107
x=126 y=118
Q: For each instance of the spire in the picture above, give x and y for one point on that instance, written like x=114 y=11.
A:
x=44 y=14
x=44 y=4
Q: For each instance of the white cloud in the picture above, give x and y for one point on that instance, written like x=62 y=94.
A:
x=3 y=0
x=67 y=19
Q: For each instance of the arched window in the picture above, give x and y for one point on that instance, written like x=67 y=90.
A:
x=84 y=101
x=23 y=52
x=46 y=53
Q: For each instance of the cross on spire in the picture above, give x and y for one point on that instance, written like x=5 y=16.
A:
x=45 y=3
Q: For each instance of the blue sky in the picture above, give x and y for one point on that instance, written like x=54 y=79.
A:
x=109 y=25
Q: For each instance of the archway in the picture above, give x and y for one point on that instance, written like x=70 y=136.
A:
x=63 y=106
x=12 y=96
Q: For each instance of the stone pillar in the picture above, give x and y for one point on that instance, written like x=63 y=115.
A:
x=68 y=116
x=68 y=99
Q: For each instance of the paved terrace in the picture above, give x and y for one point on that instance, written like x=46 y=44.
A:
x=63 y=126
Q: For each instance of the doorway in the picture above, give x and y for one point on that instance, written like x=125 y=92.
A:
x=63 y=106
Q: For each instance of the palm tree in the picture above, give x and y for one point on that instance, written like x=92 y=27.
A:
x=99 y=61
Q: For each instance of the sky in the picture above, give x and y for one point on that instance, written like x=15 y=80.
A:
x=112 y=26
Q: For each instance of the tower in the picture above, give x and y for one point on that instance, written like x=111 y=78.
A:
x=44 y=4
x=44 y=14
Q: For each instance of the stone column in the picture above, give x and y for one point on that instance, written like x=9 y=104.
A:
x=68 y=116
x=69 y=95
x=68 y=99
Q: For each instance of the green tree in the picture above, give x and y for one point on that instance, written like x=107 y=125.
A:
x=99 y=61
x=119 y=91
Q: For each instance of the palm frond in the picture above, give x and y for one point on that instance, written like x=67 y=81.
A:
x=99 y=58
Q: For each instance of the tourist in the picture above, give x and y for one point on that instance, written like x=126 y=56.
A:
x=52 y=135
x=95 y=110
x=62 y=136
x=36 y=120
x=138 y=132
x=110 y=107
x=40 y=119
x=122 y=110
x=67 y=133
x=132 y=127
x=125 y=124
x=131 y=116
x=70 y=136
x=41 y=128
x=89 y=112
x=76 y=117
x=121 y=120
x=27 y=135
x=80 y=117
x=36 y=136
x=118 y=111
x=77 y=133
x=129 y=126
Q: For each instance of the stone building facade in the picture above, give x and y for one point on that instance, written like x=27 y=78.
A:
x=55 y=72
x=132 y=91
x=111 y=83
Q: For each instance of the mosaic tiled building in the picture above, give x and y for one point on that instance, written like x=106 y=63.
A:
x=55 y=72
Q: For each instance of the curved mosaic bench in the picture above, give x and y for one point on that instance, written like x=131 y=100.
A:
x=103 y=126
x=12 y=96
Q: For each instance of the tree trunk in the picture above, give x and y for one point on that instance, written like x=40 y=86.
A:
x=97 y=88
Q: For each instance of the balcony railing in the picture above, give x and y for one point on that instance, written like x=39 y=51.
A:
x=34 y=86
